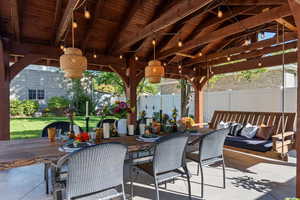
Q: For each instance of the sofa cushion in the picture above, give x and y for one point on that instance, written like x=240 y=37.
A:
x=223 y=124
x=254 y=144
x=236 y=129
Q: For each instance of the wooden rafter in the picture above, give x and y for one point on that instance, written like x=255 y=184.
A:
x=65 y=21
x=269 y=61
x=15 y=18
x=178 y=12
x=91 y=22
x=254 y=2
x=124 y=23
x=240 y=49
x=287 y=24
x=57 y=17
x=237 y=27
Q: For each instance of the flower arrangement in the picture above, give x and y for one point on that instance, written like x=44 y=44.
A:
x=187 y=122
x=82 y=137
x=119 y=109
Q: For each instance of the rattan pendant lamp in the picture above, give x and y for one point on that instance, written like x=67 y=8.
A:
x=154 y=71
x=72 y=62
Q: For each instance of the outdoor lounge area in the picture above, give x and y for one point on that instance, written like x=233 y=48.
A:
x=91 y=145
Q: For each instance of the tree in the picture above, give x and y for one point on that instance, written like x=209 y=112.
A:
x=110 y=82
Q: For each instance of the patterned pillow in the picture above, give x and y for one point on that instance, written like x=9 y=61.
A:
x=249 y=131
x=223 y=124
x=264 y=132
x=236 y=129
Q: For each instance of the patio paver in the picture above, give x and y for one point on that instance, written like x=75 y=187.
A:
x=248 y=178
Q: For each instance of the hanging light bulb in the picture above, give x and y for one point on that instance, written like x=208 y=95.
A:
x=74 y=24
x=136 y=58
x=220 y=13
x=194 y=69
x=259 y=64
x=192 y=79
x=62 y=47
x=153 y=42
x=228 y=58
x=87 y=14
x=94 y=55
x=200 y=54
x=165 y=64
x=179 y=43
x=180 y=71
x=121 y=56
x=179 y=67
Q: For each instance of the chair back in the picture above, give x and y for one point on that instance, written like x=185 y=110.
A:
x=211 y=144
x=94 y=169
x=169 y=153
x=100 y=123
x=63 y=126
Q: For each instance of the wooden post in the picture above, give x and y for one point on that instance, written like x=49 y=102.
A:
x=4 y=94
x=199 y=105
x=295 y=8
x=131 y=89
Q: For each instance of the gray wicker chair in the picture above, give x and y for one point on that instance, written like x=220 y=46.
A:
x=94 y=172
x=168 y=161
x=210 y=152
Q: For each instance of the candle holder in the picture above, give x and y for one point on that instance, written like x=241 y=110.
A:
x=87 y=124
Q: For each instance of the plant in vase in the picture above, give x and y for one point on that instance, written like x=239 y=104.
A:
x=69 y=112
x=120 y=110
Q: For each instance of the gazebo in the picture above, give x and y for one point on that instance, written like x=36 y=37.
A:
x=194 y=39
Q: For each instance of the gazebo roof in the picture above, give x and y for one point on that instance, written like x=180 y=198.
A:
x=122 y=27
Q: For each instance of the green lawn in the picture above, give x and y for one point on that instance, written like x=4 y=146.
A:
x=32 y=127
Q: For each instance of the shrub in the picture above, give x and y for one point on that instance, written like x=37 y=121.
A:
x=30 y=107
x=16 y=107
x=57 y=104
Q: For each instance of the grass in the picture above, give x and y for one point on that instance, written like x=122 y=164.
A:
x=23 y=128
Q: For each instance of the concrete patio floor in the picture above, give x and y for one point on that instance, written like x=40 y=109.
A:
x=248 y=178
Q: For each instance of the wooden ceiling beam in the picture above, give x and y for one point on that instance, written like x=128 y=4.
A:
x=243 y=25
x=15 y=10
x=57 y=17
x=287 y=24
x=173 y=15
x=269 y=61
x=254 y=2
x=129 y=13
x=65 y=21
x=240 y=49
x=91 y=23
x=254 y=54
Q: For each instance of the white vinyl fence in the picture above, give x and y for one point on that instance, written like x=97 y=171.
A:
x=267 y=99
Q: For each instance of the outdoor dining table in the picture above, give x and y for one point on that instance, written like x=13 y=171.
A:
x=23 y=152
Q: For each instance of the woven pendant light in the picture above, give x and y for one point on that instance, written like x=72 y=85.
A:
x=73 y=63
x=154 y=71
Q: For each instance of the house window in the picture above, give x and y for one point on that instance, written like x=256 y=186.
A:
x=32 y=94
x=41 y=94
x=36 y=94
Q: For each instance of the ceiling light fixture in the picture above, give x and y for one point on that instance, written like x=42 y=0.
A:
x=220 y=13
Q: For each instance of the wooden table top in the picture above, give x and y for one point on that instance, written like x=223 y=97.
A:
x=16 y=153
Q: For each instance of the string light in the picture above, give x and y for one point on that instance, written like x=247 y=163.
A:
x=228 y=58
x=87 y=14
x=121 y=56
x=74 y=24
x=179 y=43
x=200 y=54
x=153 y=42
x=220 y=13
x=62 y=47
x=94 y=55
x=136 y=58
x=165 y=64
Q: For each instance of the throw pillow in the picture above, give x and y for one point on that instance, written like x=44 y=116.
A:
x=236 y=129
x=264 y=132
x=223 y=124
x=249 y=131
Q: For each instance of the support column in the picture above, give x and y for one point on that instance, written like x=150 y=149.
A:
x=295 y=8
x=4 y=94
x=199 y=105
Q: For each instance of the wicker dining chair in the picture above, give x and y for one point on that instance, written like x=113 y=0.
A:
x=94 y=172
x=168 y=161
x=210 y=152
x=64 y=128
